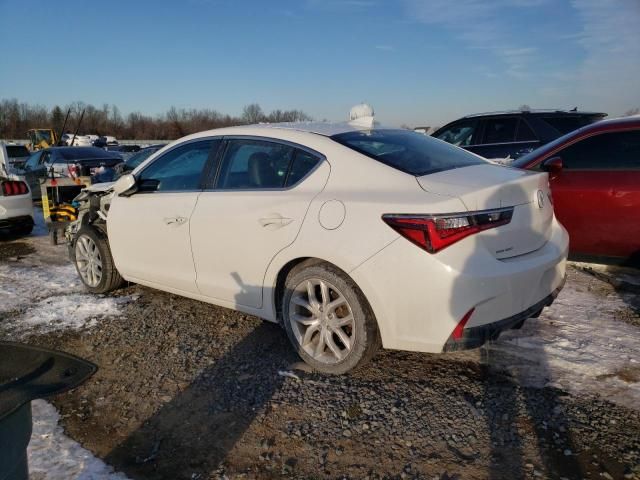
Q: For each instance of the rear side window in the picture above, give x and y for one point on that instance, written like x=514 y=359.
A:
x=607 y=151
x=407 y=151
x=303 y=163
x=254 y=164
x=500 y=130
x=179 y=169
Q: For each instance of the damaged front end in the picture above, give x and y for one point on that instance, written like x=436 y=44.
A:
x=93 y=207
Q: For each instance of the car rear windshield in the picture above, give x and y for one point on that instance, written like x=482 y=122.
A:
x=17 y=151
x=407 y=151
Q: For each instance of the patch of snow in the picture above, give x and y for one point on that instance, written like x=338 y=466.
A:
x=576 y=345
x=50 y=297
x=54 y=456
x=22 y=285
x=71 y=311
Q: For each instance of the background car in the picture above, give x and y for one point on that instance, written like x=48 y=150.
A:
x=69 y=161
x=12 y=156
x=16 y=208
x=594 y=174
x=499 y=135
x=351 y=236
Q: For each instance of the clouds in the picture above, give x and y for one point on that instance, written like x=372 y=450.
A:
x=483 y=25
x=610 y=39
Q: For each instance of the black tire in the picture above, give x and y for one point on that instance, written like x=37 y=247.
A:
x=364 y=332
x=110 y=279
x=24 y=230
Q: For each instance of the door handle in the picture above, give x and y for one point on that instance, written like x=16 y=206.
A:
x=174 y=220
x=275 y=221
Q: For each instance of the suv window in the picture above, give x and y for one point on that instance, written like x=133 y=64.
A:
x=525 y=134
x=254 y=164
x=459 y=134
x=408 y=151
x=569 y=123
x=179 y=169
x=607 y=151
x=500 y=130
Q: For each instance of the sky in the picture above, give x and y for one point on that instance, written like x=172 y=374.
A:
x=417 y=62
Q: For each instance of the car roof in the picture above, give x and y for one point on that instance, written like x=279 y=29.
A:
x=535 y=112
x=326 y=129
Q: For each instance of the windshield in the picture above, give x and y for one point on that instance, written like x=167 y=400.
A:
x=408 y=151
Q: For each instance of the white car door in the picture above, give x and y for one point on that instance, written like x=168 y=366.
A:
x=149 y=230
x=260 y=195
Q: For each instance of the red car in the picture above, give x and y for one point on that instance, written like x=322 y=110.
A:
x=594 y=174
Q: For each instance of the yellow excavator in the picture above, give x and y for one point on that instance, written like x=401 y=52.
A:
x=40 y=138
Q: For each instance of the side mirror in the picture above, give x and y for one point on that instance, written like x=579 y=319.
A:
x=553 y=165
x=126 y=185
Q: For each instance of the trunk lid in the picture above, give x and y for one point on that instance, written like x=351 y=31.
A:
x=486 y=187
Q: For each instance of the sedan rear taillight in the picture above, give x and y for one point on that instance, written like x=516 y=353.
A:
x=14 y=187
x=436 y=232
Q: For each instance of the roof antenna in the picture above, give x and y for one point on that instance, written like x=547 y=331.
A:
x=574 y=109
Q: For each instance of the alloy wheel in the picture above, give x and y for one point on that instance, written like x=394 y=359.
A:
x=322 y=321
x=89 y=261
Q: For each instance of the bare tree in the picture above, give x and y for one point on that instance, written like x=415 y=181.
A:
x=16 y=118
x=252 y=113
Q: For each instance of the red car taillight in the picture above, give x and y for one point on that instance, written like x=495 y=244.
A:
x=436 y=232
x=74 y=170
x=14 y=187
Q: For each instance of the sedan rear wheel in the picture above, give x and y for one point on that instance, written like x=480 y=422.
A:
x=328 y=320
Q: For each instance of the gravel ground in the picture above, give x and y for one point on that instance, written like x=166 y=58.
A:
x=187 y=390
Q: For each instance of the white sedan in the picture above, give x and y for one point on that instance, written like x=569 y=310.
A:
x=350 y=236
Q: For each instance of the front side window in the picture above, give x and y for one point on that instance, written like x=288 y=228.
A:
x=254 y=164
x=607 y=151
x=180 y=169
x=407 y=151
x=500 y=130
x=459 y=134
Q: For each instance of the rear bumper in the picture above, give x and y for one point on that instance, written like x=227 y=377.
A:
x=16 y=222
x=418 y=299
x=475 y=337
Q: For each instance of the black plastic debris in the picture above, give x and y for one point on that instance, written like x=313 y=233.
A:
x=27 y=373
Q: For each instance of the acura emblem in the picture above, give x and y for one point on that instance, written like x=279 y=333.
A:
x=540 y=198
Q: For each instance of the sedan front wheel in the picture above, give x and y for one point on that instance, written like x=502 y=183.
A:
x=92 y=257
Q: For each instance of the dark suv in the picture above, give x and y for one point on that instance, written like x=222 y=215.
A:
x=512 y=134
